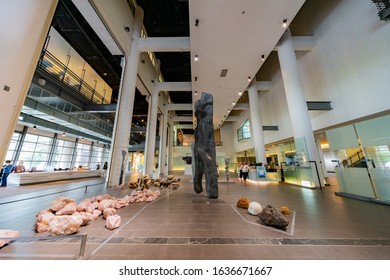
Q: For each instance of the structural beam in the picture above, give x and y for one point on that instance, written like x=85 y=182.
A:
x=182 y=119
x=301 y=43
x=165 y=44
x=175 y=86
x=179 y=107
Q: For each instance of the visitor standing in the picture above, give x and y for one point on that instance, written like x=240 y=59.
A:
x=7 y=169
x=105 y=167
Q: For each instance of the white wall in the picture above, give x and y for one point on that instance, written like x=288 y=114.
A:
x=349 y=66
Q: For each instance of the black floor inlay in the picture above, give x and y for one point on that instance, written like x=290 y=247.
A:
x=223 y=241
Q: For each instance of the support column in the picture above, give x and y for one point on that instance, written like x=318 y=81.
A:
x=124 y=114
x=151 y=135
x=296 y=102
x=23 y=27
x=170 y=142
x=163 y=146
x=256 y=124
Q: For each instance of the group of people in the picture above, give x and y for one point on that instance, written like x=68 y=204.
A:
x=7 y=169
x=243 y=171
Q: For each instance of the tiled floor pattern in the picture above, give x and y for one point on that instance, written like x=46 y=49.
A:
x=184 y=225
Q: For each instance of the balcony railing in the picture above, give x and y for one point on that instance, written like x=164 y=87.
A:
x=55 y=68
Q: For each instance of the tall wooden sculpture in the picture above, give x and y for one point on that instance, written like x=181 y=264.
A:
x=204 y=147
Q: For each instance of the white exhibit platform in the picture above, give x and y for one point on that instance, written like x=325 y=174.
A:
x=29 y=178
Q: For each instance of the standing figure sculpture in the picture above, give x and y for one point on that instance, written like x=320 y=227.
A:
x=204 y=147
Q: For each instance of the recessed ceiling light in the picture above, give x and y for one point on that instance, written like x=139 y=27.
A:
x=234 y=103
x=262 y=57
x=196 y=58
x=249 y=78
x=240 y=93
x=285 y=23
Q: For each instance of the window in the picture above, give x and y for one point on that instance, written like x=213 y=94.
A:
x=35 y=151
x=13 y=146
x=82 y=155
x=244 y=132
x=62 y=155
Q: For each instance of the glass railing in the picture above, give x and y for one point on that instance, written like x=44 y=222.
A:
x=43 y=96
x=58 y=70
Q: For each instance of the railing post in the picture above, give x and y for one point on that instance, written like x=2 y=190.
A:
x=82 y=245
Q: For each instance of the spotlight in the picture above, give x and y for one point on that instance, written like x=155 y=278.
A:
x=196 y=78
x=196 y=22
x=34 y=127
x=41 y=82
x=249 y=78
x=196 y=57
x=263 y=57
x=127 y=29
x=63 y=134
x=234 y=103
x=240 y=93
x=284 y=23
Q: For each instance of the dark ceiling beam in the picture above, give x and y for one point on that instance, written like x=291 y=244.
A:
x=100 y=108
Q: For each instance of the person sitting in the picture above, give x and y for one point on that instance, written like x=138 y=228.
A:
x=20 y=167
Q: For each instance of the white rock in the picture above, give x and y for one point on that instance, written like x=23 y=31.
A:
x=255 y=208
x=113 y=222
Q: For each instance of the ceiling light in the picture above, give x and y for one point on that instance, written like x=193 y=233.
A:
x=240 y=93
x=228 y=110
x=196 y=57
x=196 y=78
x=126 y=28
x=34 y=127
x=262 y=57
x=196 y=22
x=285 y=23
x=249 y=78
x=63 y=134
x=234 y=103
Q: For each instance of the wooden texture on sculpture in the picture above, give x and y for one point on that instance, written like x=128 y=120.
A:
x=204 y=147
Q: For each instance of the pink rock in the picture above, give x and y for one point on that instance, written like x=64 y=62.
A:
x=8 y=233
x=120 y=203
x=149 y=199
x=65 y=225
x=85 y=216
x=42 y=221
x=60 y=203
x=96 y=214
x=105 y=203
x=113 y=222
x=69 y=209
x=108 y=212
x=134 y=193
x=83 y=205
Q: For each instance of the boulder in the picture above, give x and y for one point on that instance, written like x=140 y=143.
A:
x=69 y=209
x=108 y=212
x=5 y=233
x=255 y=208
x=65 y=225
x=113 y=222
x=60 y=203
x=271 y=217
x=243 y=203
x=42 y=222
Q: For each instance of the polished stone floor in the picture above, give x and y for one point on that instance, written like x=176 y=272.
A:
x=185 y=225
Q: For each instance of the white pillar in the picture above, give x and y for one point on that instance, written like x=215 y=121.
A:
x=163 y=146
x=151 y=135
x=23 y=27
x=256 y=124
x=296 y=101
x=170 y=142
x=124 y=114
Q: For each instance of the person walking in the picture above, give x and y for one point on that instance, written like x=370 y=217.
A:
x=7 y=169
x=245 y=171
x=240 y=171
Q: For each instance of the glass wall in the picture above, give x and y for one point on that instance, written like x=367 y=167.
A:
x=13 y=146
x=63 y=154
x=35 y=151
x=362 y=151
x=38 y=154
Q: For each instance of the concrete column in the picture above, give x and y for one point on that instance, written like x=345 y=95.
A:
x=124 y=113
x=151 y=135
x=170 y=142
x=163 y=146
x=23 y=27
x=256 y=124
x=296 y=101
